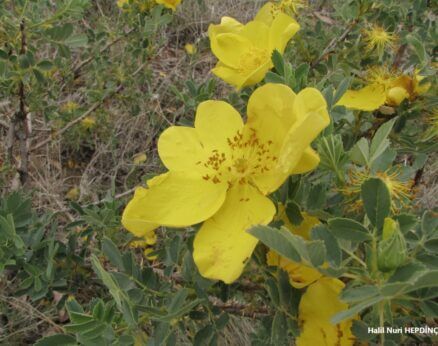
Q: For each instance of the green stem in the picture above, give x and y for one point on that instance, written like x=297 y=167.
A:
x=382 y=321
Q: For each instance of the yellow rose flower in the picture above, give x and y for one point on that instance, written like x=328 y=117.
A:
x=300 y=275
x=244 y=51
x=317 y=306
x=384 y=87
x=172 y=4
x=220 y=171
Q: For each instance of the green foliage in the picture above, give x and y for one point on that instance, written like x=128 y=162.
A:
x=126 y=73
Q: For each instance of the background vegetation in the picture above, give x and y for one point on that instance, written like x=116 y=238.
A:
x=86 y=89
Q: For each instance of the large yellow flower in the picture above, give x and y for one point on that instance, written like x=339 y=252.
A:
x=317 y=306
x=172 y=4
x=300 y=275
x=244 y=51
x=221 y=170
x=385 y=87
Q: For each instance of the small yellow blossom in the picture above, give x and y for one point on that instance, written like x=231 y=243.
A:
x=400 y=190
x=377 y=38
x=147 y=253
x=221 y=171
x=432 y=128
x=141 y=5
x=139 y=158
x=272 y=8
x=244 y=51
x=384 y=87
x=72 y=194
x=172 y=4
x=190 y=48
x=69 y=107
x=318 y=305
x=88 y=122
x=300 y=275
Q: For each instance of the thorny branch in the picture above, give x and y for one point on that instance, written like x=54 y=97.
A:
x=20 y=127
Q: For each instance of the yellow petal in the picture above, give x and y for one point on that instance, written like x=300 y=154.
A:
x=227 y=25
x=308 y=162
x=368 y=98
x=139 y=158
x=179 y=200
x=180 y=148
x=419 y=88
x=222 y=246
x=270 y=114
x=317 y=306
x=257 y=75
x=310 y=110
x=215 y=122
x=257 y=33
x=137 y=226
x=266 y=14
x=229 y=75
x=300 y=275
x=282 y=29
x=229 y=48
x=396 y=96
x=172 y=4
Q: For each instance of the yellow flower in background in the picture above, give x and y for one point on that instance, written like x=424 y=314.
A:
x=244 y=51
x=69 y=107
x=272 y=8
x=139 y=158
x=400 y=189
x=73 y=194
x=300 y=275
x=190 y=48
x=142 y=5
x=220 y=171
x=432 y=122
x=377 y=38
x=88 y=122
x=318 y=305
x=384 y=87
x=172 y=4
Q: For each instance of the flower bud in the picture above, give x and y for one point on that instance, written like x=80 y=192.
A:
x=392 y=251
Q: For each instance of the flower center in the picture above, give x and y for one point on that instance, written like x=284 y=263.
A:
x=247 y=156
x=253 y=59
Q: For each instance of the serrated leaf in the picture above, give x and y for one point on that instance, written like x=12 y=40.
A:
x=377 y=201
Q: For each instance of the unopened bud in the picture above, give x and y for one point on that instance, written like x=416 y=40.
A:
x=392 y=251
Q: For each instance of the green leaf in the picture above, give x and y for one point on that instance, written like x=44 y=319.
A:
x=279 y=329
x=317 y=252
x=380 y=140
x=178 y=300
x=333 y=251
x=45 y=65
x=418 y=46
x=360 y=153
x=349 y=229
x=429 y=308
x=429 y=223
x=354 y=310
x=280 y=240
x=377 y=201
x=342 y=88
x=293 y=213
x=112 y=252
x=277 y=60
x=57 y=340
x=77 y=41
x=357 y=294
